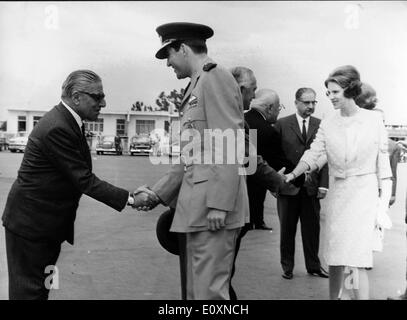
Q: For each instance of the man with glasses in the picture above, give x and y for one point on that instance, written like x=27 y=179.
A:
x=296 y=133
x=55 y=171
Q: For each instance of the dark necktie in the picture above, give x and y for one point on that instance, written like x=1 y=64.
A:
x=304 y=131
x=83 y=130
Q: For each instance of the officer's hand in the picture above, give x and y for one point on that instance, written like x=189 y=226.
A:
x=392 y=200
x=321 y=193
x=216 y=219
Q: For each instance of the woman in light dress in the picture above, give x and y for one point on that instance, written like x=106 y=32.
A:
x=354 y=143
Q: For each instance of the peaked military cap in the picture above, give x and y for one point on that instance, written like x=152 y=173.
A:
x=171 y=32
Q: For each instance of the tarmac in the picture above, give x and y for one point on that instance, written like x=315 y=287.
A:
x=116 y=256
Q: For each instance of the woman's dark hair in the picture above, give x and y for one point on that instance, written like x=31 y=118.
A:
x=348 y=78
x=196 y=45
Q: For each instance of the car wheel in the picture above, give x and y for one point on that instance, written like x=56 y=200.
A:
x=101 y=152
x=13 y=151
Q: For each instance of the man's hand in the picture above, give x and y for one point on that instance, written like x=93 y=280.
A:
x=281 y=172
x=321 y=193
x=289 y=177
x=145 y=199
x=392 y=200
x=216 y=219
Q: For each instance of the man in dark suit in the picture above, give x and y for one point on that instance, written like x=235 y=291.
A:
x=264 y=110
x=265 y=176
x=55 y=171
x=296 y=133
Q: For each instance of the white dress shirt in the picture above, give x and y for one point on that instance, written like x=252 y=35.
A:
x=74 y=114
x=300 y=121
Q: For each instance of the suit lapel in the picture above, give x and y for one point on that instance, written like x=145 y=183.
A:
x=312 y=127
x=295 y=128
x=84 y=148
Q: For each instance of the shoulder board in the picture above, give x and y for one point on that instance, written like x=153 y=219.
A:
x=209 y=66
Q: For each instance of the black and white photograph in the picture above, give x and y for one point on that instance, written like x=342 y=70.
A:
x=203 y=150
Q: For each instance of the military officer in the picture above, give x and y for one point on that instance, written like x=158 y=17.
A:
x=210 y=198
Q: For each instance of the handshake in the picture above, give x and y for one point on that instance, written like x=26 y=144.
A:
x=144 y=199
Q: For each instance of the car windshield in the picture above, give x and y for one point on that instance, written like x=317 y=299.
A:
x=107 y=139
x=141 y=139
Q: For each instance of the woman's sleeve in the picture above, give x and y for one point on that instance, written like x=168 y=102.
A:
x=315 y=156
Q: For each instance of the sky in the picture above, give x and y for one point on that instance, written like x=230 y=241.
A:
x=288 y=45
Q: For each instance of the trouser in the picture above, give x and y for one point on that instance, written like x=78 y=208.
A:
x=242 y=233
x=257 y=196
x=307 y=209
x=27 y=261
x=206 y=259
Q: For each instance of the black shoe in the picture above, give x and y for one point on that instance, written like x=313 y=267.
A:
x=287 y=275
x=319 y=273
x=262 y=227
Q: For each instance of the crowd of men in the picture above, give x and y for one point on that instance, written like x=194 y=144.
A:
x=212 y=205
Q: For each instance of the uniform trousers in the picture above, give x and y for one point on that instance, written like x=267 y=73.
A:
x=27 y=261
x=206 y=259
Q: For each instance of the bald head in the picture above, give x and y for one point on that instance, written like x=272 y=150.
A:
x=267 y=102
x=367 y=98
x=247 y=83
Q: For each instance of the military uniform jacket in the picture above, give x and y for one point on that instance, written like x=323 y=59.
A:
x=212 y=101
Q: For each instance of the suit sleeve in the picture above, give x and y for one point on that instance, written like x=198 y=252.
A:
x=267 y=176
x=323 y=177
x=61 y=148
x=224 y=111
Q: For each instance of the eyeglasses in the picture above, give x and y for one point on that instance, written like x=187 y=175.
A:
x=307 y=103
x=280 y=106
x=95 y=96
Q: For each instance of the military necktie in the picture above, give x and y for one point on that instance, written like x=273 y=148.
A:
x=304 y=131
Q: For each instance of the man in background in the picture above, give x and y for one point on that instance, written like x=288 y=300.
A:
x=296 y=133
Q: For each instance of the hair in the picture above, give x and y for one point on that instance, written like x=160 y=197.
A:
x=263 y=98
x=243 y=76
x=367 y=91
x=348 y=78
x=301 y=91
x=197 y=46
x=77 y=81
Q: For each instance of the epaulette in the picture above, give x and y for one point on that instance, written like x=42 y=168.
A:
x=209 y=66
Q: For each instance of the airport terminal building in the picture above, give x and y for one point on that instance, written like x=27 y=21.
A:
x=124 y=124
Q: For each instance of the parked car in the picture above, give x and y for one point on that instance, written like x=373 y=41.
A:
x=175 y=150
x=109 y=144
x=3 y=144
x=141 y=144
x=18 y=144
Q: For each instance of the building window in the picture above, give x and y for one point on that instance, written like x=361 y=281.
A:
x=22 y=121
x=36 y=119
x=144 y=126
x=94 y=126
x=121 y=129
